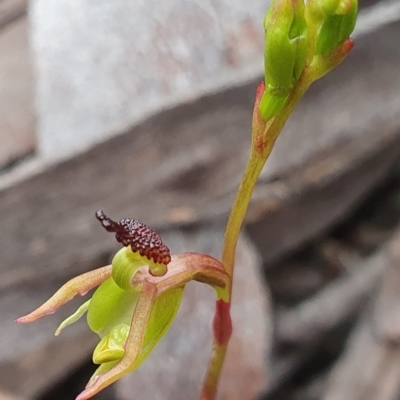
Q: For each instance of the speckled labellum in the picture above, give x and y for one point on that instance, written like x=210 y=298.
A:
x=141 y=239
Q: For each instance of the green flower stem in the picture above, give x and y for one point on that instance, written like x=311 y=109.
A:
x=261 y=149
x=239 y=209
x=258 y=157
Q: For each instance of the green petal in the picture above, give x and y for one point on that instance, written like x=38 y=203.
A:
x=162 y=317
x=125 y=265
x=74 y=317
x=110 y=306
x=165 y=309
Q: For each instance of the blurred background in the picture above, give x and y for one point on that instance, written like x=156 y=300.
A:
x=143 y=108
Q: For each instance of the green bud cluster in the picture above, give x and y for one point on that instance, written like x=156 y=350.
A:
x=294 y=33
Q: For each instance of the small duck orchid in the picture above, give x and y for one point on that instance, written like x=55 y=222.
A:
x=136 y=301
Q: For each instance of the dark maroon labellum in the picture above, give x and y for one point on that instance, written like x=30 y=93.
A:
x=141 y=238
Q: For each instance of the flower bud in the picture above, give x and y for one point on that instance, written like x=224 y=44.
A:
x=336 y=20
x=285 y=53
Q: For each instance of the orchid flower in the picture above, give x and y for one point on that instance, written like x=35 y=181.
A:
x=136 y=300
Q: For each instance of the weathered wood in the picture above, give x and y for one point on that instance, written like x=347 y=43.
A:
x=387 y=305
x=369 y=369
x=370 y=366
x=6 y=396
x=318 y=195
x=303 y=274
x=293 y=280
x=31 y=374
x=338 y=256
x=17 y=115
x=333 y=305
x=313 y=391
x=284 y=367
x=312 y=324
x=11 y=10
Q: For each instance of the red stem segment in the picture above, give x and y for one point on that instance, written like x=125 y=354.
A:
x=222 y=327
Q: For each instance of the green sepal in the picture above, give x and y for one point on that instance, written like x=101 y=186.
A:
x=271 y=105
x=298 y=37
x=110 y=306
x=285 y=53
x=163 y=315
x=334 y=31
x=318 y=10
x=279 y=51
x=334 y=21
